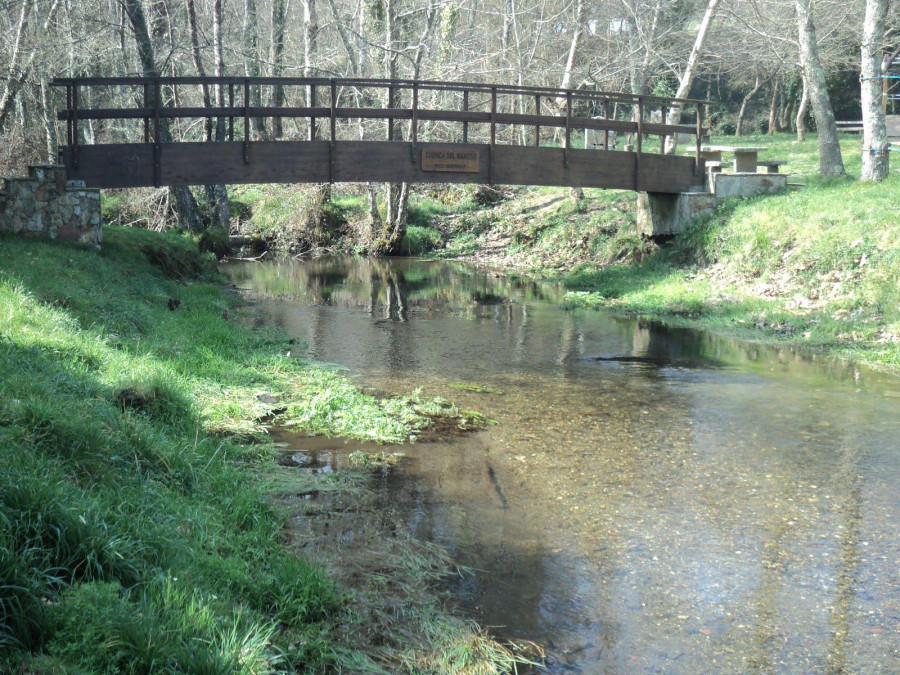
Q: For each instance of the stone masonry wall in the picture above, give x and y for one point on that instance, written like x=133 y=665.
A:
x=45 y=205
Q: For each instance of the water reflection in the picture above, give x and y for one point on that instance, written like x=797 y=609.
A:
x=652 y=500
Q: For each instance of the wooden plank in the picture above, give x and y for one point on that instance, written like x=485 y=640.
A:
x=218 y=163
x=434 y=85
x=131 y=165
x=516 y=165
x=892 y=124
x=117 y=165
x=559 y=121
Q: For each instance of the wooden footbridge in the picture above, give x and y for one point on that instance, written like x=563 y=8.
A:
x=138 y=132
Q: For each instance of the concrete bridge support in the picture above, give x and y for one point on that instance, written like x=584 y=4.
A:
x=661 y=216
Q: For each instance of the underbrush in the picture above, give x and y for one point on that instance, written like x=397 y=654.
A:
x=136 y=534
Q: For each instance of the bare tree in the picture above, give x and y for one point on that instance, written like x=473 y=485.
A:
x=687 y=77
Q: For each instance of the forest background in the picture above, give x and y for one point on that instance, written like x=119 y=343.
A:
x=754 y=62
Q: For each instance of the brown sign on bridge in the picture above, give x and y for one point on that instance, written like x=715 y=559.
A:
x=467 y=133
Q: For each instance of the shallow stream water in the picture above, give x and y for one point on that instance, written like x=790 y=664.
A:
x=651 y=500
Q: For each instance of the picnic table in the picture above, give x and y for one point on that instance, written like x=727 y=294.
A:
x=746 y=158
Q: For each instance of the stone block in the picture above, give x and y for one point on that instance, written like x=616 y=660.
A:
x=729 y=185
x=35 y=223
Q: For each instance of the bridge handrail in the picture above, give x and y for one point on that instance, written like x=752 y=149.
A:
x=424 y=114
x=433 y=85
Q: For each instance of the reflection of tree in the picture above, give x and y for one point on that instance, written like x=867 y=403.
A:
x=851 y=513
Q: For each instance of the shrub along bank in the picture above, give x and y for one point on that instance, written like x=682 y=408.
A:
x=136 y=531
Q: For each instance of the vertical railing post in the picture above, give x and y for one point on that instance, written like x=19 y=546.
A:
x=699 y=140
x=537 y=127
x=246 y=120
x=466 y=122
x=75 y=130
x=606 y=115
x=69 y=115
x=230 y=112
x=662 y=138
x=331 y=119
x=568 y=128
x=638 y=145
x=390 y=105
x=493 y=135
x=146 y=119
x=312 y=118
x=157 y=150
x=414 y=131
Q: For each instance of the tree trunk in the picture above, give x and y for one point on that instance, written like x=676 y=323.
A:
x=687 y=77
x=802 y=109
x=251 y=65
x=222 y=207
x=573 y=47
x=185 y=205
x=739 y=126
x=15 y=79
x=279 y=21
x=310 y=32
x=773 y=108
x=48 y=117
x=875 y=153
x=830 y=161
x=198 y=62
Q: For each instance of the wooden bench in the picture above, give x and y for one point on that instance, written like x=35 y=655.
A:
x=849 y=126
x=892 y=125
x=771 y=164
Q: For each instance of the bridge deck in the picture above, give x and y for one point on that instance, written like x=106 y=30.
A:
x=158 y=144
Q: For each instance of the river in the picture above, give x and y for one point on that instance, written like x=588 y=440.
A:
x=650 y=500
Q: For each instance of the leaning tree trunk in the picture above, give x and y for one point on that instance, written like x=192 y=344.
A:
x=831 y=163
x=687 y=77
x=185 y=205
x=773 y=108
x=802 y=109
x=875 y=154
x=742 y=113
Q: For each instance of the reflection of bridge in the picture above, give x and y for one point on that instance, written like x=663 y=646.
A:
x=454 y=133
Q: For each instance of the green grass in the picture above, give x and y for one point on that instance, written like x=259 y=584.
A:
x=817 y=266
x=136 y=534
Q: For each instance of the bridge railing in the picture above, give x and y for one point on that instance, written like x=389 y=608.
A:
x=115 y=110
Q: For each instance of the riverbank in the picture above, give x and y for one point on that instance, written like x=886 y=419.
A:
x=139 y=486
x=816 y=268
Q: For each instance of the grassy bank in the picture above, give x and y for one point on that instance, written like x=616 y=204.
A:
x=139 y=533
x=818 y=266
